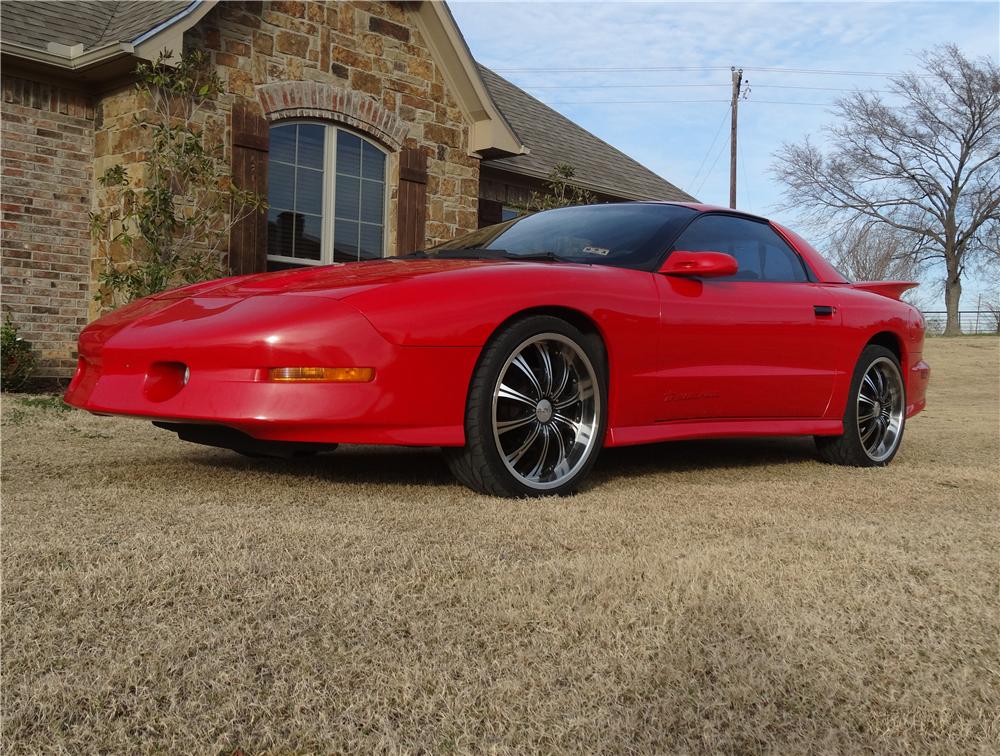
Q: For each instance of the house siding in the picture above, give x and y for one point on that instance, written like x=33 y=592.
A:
x=47 y=166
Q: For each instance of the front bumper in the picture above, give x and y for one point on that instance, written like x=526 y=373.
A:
x=165 y=364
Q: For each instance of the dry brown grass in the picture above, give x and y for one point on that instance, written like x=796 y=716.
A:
x=699 y=597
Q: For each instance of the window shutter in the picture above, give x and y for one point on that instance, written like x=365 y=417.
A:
x=248 y=238
x=411 y=213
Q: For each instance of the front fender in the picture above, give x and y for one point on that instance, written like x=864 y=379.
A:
x=465 y=307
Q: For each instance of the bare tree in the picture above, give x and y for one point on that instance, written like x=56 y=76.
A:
x=873 y=252
x=927 y=163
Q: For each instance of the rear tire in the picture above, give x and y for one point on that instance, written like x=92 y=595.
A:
x=875 y=416
x=536 y=411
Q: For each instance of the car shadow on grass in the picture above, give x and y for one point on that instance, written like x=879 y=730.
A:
x=426 y=466
x=703 y=455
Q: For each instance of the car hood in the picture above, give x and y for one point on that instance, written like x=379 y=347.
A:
x=339 y=281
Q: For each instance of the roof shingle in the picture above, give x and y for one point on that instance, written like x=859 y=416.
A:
x=92 y=23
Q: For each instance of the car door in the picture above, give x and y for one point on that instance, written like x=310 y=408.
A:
x=751 y=345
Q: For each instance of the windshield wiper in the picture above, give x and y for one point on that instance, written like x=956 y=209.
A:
x=459 y=253
x=535 y=256
x=483 y=253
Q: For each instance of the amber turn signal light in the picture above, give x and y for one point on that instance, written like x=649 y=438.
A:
x=321 y=375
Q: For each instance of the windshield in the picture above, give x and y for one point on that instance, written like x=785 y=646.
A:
x=627 y=235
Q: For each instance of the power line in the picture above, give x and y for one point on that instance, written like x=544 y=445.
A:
x=665 y=102
x=623 y=102
x=671 y=86
x=746 y=182
x=710 y=146
x=617 y=86
x=633 y=69
x=722 y=148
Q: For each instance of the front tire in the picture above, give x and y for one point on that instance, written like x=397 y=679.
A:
x=536 y=411
x=875 y=416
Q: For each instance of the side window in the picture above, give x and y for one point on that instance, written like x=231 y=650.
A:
x=761 y=254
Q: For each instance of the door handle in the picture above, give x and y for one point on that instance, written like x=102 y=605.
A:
x=824 y=311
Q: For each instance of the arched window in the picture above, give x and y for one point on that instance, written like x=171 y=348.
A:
x=326 y=196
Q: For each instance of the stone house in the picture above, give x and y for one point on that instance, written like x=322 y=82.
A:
x=368 y=125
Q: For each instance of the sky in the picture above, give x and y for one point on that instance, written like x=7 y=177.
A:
x=639 y=111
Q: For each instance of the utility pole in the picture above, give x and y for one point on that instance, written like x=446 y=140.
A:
x=737 y=85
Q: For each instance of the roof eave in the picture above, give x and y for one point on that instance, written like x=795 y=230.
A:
x=489 y=133
x=69 y=62
x=165 y=36
x=168 y=36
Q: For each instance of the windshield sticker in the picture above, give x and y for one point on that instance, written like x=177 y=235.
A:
x=602 y=251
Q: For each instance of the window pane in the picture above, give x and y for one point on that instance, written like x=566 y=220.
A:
x=279 y=186
x=345 y=242
x=348 y=198
x=781 y=264
x=371 y=241
x=282 y=143
x=311 y=145
x=759 y=251
x=372 y=162
x=279 y=232
x=309 y=191
x=348 y=154
x=372 y=201
x=308 y=236
x=295 y=191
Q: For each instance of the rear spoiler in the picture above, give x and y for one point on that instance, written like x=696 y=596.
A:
x=891 y=289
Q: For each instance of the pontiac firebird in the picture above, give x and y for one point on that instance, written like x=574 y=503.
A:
x=524 y=348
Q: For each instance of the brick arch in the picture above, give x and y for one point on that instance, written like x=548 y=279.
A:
x=313 y=99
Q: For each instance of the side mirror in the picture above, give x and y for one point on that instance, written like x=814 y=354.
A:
x=700 y=264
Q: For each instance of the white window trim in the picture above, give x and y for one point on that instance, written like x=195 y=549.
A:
x=329 y=200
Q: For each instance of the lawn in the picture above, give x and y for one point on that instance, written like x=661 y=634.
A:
x=735 y=597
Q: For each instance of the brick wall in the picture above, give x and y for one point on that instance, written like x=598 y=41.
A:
x=47 y=168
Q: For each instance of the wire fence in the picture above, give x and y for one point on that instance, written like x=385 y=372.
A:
x=971 y=321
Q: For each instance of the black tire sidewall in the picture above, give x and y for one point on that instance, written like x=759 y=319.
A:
x=484 y=382
x=852 y=434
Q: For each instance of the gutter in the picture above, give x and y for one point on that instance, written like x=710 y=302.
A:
x=169 y=22
x=71 y=62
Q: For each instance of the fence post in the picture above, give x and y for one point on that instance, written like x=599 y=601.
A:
x=979 y=306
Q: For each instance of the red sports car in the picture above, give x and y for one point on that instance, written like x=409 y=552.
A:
x=525 y=347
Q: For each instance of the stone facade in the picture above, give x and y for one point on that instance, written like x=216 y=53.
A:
x=361 y=64
x=47 y=163
x=373 y=56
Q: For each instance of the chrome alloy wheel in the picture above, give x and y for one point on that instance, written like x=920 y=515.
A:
x=880 y=409
x=546 y=411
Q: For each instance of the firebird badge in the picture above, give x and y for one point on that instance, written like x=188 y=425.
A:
x=687 y=396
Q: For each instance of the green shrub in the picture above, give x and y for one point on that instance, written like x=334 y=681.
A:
x=17 y=359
